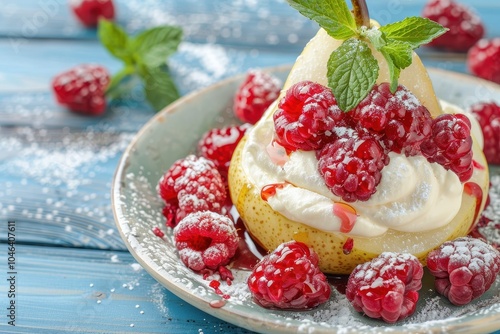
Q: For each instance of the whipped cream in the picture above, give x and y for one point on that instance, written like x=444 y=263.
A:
x=413 y=195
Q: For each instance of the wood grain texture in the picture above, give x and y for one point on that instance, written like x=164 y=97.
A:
x=56 y=167
x=90 y=291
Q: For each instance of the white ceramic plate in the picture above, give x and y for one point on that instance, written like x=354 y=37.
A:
x=172 y=134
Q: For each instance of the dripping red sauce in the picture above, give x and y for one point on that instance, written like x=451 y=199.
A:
x=269 y=190
x=248 y=253
x=474 y=190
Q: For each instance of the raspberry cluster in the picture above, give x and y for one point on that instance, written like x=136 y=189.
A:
x=464 y=268
x=353 y=147
x=289 y=278
x=387 y=287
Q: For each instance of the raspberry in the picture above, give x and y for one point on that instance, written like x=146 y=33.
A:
x=450 y=144
x=197 y=185
x=289 y=278
x=206 y=240
x=398 y=120
x=89 y=12
x=464 y=269
x=483 y=59
x=387 y=287
x=351 y=166
x=257 y=92
x=488 y=116
x=170 y=212
x=306 y=116
x=82 y=89
x=218 y=145
x=465 y=27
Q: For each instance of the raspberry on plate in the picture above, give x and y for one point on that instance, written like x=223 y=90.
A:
x=197 y=185
x=306 y=116
x=399 y=120
x=289 y=278
x=387 y=287
x=465 y=26
x=450 y=144
x=488 y=116
x=483 y=59
x=257 y=92
x=351 y=166
x=82 y=89
x=218 y=145
x=464 y=268
x=89 y=12
x=206 y=240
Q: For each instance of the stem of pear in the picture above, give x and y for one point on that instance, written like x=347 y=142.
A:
x=361 y=14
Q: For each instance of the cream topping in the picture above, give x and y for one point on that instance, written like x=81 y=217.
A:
x=413 y=195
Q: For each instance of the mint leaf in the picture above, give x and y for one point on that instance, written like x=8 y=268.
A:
x=394 y=71
x=115 y=39
x=413 y=30
x=155 y=45
x=400 y=52
x=159 y=88
x=352 y=72
x=117 y=78
x=332 y=15
x=144 y=57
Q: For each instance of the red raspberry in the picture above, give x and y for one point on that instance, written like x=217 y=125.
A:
x=483 y=59
x=399 y=120
x=387 y=287
x=170 y=212
x=488 y=116
x=218 y=145
x=351 y=166
x=206 y=240
x=89 y=12
x=465 y=27
x=450 y=144
x=464 y=269
x=257 y=92
x=197 y=185
x=306 y=116
x=82 y=89
x=289 y=278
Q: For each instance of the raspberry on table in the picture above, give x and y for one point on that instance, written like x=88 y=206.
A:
x=464 y=268
x=82 y=89
x=306 y=116
x=289 y=278
x=450 y=144
x=197 y=185
x=465 y=26
x=398 y=120
x=257 y=92
x=488 y=116
x=218 y=145
x=89 y=12
x=351 y=166
x=387 y=287
x=206 y=240
x=483 y=59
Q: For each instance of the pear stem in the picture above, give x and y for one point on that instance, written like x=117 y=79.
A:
x=361 y=14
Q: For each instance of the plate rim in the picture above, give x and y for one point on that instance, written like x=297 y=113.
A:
x=228 y=314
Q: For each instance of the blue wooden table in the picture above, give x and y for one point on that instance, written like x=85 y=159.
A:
x=72 y=272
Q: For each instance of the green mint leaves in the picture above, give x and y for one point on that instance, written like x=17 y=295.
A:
x=352 y=68
x=332 y=15
x=145 y=56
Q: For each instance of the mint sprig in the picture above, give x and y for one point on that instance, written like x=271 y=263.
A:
x=144 y=56
x=352 y=68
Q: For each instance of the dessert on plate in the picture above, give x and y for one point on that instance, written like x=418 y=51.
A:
x=358 y=156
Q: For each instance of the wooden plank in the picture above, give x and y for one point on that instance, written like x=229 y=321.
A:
x=224 y=21
x=88 y=291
